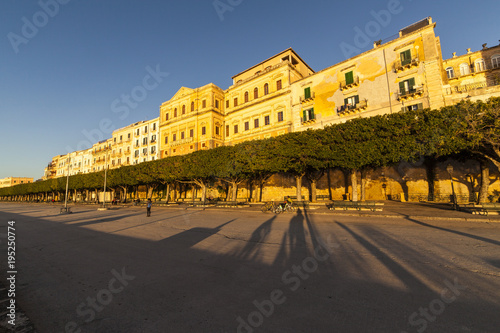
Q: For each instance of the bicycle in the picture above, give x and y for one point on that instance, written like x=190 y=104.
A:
x=268 y=206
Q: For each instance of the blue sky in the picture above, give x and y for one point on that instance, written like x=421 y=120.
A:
x=65 y=68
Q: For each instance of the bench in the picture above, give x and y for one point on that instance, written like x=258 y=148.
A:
x=232 y=204
x=355 y=205
x=492 y=208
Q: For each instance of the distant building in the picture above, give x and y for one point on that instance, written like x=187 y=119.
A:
x=11 y=181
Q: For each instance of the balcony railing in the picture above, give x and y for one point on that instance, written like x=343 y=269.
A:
x=181 y=142
x=413 y=92
x=401 y=65
x=344 y=85
x=304 y=99
x=352 y=108
x=456 y=74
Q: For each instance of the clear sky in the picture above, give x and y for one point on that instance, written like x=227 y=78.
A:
x=65 y=65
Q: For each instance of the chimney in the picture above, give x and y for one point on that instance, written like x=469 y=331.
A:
x=468 y=51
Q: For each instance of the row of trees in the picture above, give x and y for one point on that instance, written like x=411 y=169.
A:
x=464 y=130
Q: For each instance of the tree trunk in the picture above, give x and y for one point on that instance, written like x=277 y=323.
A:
x=261 y=189
x=235 y=191
x=354 y=184
x=168 y=193
x=485 y=181
x=313 y=190
x=298 y=181
x=363 y=185
x=430 y=164
x=203 y=192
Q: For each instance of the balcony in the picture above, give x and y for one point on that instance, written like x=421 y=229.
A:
x=347 y=109
x=416 y=91
x=144 y=154
x=344 y=85
x=181 y=142
x=304 y=99
x=401 y=65
x=457 y=73
x=137 y=133
x=126 y=152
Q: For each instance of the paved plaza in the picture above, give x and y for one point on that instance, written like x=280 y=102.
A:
x=411 y=268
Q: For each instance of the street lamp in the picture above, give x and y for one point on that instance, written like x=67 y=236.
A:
x=449 y=168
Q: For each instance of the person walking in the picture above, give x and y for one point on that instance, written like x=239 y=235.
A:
x=148 y=207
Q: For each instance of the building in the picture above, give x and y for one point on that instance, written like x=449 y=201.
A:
x=284 y=94
x=191 y=120
x=11 y=181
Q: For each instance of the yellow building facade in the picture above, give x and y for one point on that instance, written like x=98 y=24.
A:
x=11 y=181
x=258 y=104
x=191 y=120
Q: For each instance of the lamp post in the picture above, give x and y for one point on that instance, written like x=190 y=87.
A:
x=105 y=180
x=65 y=210
x=449 y=168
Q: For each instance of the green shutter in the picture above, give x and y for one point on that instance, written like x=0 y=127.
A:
x=402 y=88
x=312 y=114
x=356 y=98
x=346 y=101
x=304 y=115
x=307 y=93
x=420 y=106
x=411 y=84
x=405 y=57
x=349 y=78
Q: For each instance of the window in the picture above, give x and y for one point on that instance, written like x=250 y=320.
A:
x=351 y=101
x=280 y=116
x=236 y=102
x=153 y=138
x=227 y=104
x=136 y=143
x=307 y=93
x=227 y=130
x=217 y=130
x=278 y=85
x=216 y=103
x=308 y=114
x=145 y=141
x=247 y=125
x=266 y=89
x=256 y=123
x=183 y=109
x=407 y=86
x=419 y=106
x=267 y=120
x=192 y=106
x=464 y=69
x=349 y=78
x=191 y=133
x=480 y=65
x=203 y=130
x=256 y=93
x=495 y=61
x=114 y=140
x=145 y=151
x=235 y=129
x=154 y=126
x=175 y=112
x=405 y=57
x=174 y=137
x=121 y=137
x=182 y=135
x=136 y=153
x=145 y=129
x=204 y=103
x=166 y=140
x=128 y=136
x=450 y=72
x=246 y=96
